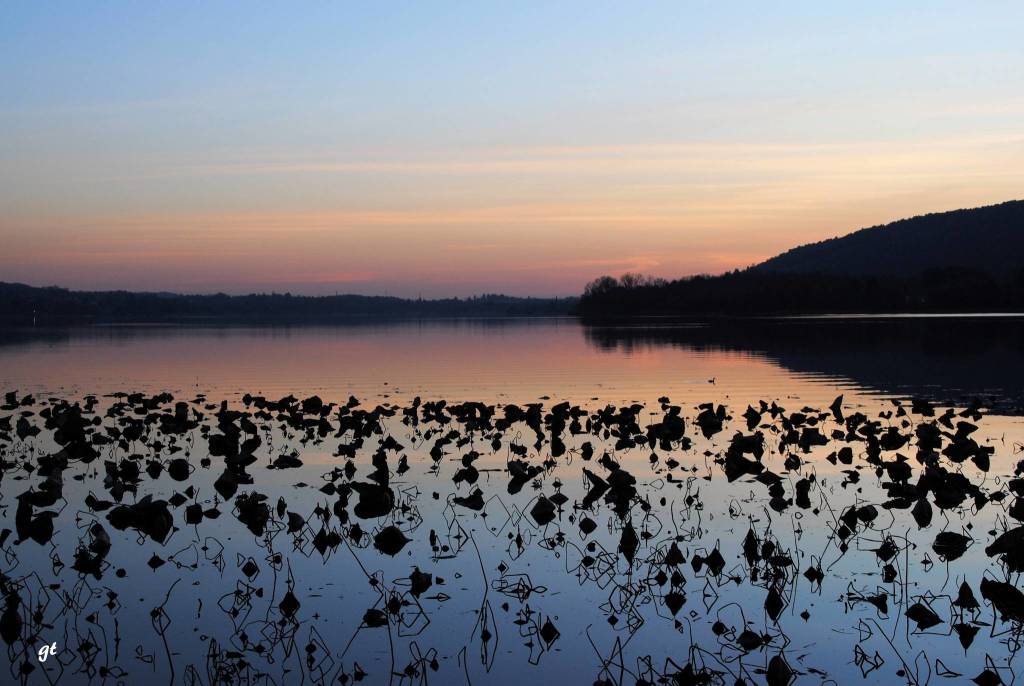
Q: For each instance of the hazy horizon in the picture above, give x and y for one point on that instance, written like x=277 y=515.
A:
x=448 y=150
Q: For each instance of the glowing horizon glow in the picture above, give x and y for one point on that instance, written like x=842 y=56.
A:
x=451 y=151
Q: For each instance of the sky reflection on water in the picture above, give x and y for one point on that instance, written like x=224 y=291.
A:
x=557 y=601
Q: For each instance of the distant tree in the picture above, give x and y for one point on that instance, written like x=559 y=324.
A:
x=600 y=286
x=18 y=302
x=631 y=280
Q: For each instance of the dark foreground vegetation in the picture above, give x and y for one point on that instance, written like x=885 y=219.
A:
x=336 y=542
x=21 y=305
x=963 y=261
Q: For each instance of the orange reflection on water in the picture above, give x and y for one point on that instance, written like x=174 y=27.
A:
x=486 y=360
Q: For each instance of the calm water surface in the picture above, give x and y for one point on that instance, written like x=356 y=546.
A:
x=622 y=555
x=953 y=358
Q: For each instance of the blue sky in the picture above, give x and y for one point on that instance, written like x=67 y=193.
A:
x=459 y=147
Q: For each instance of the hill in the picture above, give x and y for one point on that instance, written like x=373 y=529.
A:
x=968 y=260
x=988 y=239
x=20 y=303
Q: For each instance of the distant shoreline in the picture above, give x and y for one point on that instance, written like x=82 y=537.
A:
x=21 y=304
x=610 y=322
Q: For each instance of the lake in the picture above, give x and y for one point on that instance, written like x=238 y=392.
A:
x=770 y=501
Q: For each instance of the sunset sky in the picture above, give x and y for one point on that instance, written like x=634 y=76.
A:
x=457 y=148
